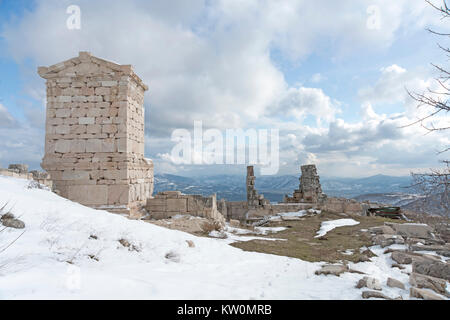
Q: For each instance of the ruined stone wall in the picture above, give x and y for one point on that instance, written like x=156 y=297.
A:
x=239 y=210
x=167 y=204
x=339 y=205
x=94 y=143
x=21 y=171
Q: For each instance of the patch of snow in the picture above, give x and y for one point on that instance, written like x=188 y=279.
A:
x=327 y=226
x=218 y=234
x=267 y=230
x=237 y=230
x=300 y=213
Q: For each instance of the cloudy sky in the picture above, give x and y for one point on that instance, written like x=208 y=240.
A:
x=330 y=75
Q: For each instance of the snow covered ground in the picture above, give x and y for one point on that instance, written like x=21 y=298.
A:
x=69 y=251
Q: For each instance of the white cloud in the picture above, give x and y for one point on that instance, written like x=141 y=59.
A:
x=300 y=102
x=6 y=119
x=211 y=61
x=317 y=77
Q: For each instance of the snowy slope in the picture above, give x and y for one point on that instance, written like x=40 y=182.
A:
x=58 y=230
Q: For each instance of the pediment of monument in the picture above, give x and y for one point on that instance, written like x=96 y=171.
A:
x=87 y=65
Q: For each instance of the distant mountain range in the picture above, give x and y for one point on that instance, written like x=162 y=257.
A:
x=378 y=188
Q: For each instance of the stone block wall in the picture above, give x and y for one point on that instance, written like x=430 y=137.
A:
x=167 y=204
x=339 y=205
x=94 y=142
x=239 y=210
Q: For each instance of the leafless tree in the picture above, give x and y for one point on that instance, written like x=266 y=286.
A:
x=435 y=184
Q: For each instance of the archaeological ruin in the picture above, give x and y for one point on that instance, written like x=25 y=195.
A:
x=94 y=140
x=309 y=195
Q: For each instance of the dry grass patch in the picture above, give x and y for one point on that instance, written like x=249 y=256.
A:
x=300 y=242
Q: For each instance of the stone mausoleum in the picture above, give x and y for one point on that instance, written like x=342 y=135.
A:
x=94 y=141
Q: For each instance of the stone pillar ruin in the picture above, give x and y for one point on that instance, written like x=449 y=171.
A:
x=94 y=141
x=309 y=189
x=253 y=198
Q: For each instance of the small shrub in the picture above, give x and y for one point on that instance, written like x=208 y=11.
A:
x=173 y=256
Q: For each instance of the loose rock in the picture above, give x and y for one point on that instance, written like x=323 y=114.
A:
x=394 y=283
x=370 y=283
x=385 y=240
x=334 y=269
x=374 y=294
x=190 y=243
x=8 y=220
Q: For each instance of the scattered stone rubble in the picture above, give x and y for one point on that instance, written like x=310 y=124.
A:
x=429 y=271
x=94 y=142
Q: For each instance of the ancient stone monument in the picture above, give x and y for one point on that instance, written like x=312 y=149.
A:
x=309 y=189
x=94 y=141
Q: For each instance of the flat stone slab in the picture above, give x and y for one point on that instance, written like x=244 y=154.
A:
x=423 y=281
x=412 y=230
x=423 y=294
x=409 y=257
x=434 y=269
x=417 y=247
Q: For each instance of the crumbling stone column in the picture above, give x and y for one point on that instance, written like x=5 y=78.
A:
x=309 y=189
x=253 y=198
x=94 y=141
